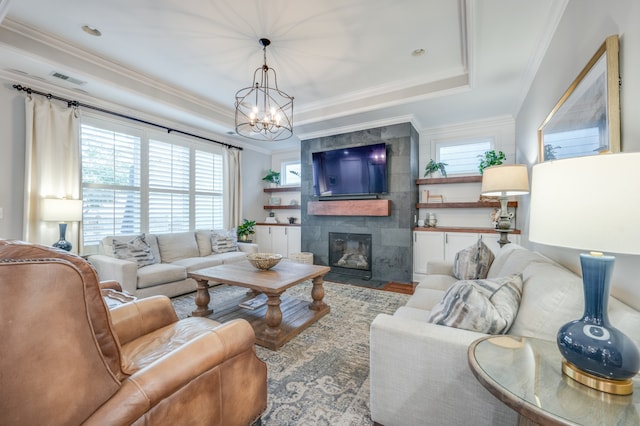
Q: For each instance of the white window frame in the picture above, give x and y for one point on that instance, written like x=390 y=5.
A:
x=470 y=170
x=287 y=178
x=146 y=134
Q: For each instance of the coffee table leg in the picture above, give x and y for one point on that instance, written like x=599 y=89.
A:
x=317 y=293
x=202 y=299
x=273 y=317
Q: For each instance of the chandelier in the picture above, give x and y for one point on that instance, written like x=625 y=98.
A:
x=264 y=112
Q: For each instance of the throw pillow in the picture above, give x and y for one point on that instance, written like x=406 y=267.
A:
x=473 y=262
x=224 y=241
x=136 y=250
x=486 y=306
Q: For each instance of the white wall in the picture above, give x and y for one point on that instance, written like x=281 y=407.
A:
x=582 y=29
x=499 y=129
x=11 y=161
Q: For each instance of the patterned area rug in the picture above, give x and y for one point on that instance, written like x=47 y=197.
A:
x=321 y=376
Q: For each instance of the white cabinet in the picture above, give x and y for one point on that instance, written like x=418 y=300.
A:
x=443 y=246
x=426 y=246
x=278 y=239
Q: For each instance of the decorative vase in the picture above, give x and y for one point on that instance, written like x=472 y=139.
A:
x=62 y=243
x=591 y=343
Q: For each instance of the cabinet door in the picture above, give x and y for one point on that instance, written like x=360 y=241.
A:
x=426 y=246
x=279 y=240
x=263 y=238
x=456 y=241
x=294 y=240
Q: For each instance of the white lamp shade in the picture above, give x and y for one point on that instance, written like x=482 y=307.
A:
x=61 y=210
x=588 y=203
x=509 y=179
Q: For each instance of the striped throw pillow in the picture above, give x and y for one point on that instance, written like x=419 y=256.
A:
x=487 y=306
x=136 y=250
x=224 y=241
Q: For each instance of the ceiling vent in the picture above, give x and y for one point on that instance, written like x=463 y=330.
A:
x=67 y=78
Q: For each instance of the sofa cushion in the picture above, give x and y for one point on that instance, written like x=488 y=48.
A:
x=194 y=263
x=160 y=273
x=425 y=298
x=437 y=282
x=473 y=262
x=203 y=239
x=486 y=306
x=134 y=250
x=407 y=312
x=513 y=259
x=176 y=246
x=552 y=296
x=224 y=241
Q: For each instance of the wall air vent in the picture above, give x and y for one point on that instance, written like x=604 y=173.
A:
x=67 y=78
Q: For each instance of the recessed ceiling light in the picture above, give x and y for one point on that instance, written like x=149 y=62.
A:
x=91 y=30
x=418 y=52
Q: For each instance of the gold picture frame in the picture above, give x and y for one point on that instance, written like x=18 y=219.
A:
x=586 y=119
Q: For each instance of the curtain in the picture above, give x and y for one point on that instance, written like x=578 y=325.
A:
x=233 y=190
x=52 y=167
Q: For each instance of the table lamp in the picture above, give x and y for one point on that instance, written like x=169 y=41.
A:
x=589 y=203
x=504 y=181
x=62 y=210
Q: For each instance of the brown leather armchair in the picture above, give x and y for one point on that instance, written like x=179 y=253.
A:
x=65 y=359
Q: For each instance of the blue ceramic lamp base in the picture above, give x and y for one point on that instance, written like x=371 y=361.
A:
x=597 y=354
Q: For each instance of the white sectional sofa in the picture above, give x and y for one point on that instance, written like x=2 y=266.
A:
x=419 y=370
x=174 y=256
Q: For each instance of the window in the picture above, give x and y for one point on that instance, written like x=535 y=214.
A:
x=290 y=172
x=134 y=180
x=461 y=157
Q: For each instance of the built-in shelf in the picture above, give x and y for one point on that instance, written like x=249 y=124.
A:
x=285 y=207
x=350 y=208
x=457 y=179
x=282 y=189
x=461 y=229
x=465 y=205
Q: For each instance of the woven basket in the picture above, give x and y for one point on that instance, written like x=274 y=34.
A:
x=304 y=257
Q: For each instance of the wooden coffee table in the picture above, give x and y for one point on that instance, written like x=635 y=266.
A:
x=282 y=317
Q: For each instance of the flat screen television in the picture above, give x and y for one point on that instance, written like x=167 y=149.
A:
x=353 y=171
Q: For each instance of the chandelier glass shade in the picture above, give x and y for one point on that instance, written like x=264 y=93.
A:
x=264 y=112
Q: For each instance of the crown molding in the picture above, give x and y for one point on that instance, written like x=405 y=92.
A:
x=135 y=81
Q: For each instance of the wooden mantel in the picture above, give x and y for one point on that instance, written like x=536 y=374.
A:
x=350 y=208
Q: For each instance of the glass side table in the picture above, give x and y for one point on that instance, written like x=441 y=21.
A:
x=525 y=374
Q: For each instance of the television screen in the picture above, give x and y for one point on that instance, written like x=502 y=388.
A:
x=357 y=170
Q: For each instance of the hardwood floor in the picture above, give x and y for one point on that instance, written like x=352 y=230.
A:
x=399 y=287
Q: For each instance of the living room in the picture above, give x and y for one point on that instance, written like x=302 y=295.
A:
x=580 y=28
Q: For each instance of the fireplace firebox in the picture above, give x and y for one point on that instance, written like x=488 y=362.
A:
x=350 y=254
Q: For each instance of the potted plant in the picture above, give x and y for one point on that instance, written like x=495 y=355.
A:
x=490 y=158
x=272 y=177
x=245 y=229
x=435 y=167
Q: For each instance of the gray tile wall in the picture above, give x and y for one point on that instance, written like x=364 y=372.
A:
x=391 y=235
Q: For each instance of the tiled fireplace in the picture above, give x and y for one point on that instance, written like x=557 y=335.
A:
x=390 y=235
x=350 y=254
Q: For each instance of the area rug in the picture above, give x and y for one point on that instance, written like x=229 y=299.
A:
x=321 y=376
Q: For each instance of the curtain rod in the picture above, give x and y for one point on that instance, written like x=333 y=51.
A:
x=72 y=103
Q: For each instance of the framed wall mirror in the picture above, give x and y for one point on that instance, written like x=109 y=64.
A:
x=586 y=119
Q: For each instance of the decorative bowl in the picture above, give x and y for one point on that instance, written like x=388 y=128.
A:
x=264 y=261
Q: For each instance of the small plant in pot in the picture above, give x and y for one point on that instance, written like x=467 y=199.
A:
x=434 y=167
x=245 y=229
x=490 y=158
x=272 y=177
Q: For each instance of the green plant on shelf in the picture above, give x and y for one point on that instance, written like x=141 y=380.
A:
x=490 y=158
x=434 y=167
x=272 y=177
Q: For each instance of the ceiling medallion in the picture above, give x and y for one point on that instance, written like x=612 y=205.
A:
x=264 y=112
